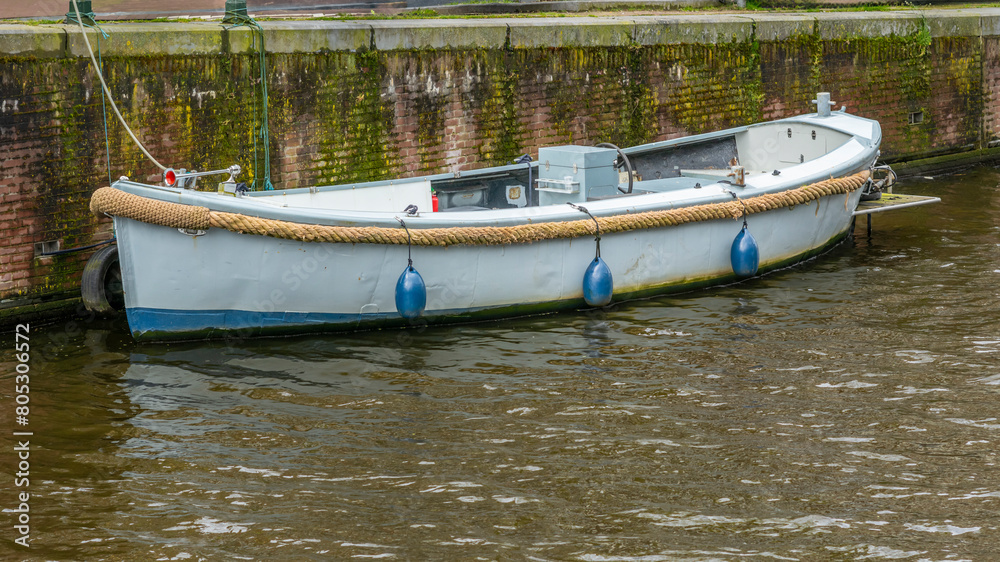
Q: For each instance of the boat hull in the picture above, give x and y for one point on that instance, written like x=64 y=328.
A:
x=218 y=283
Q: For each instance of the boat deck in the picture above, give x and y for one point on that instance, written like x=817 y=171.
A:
x=893 y=201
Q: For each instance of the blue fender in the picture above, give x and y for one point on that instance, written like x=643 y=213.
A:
x=597 y=283
x=745 y=254
x=411 y=293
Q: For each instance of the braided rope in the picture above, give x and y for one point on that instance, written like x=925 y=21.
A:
x=114 y=202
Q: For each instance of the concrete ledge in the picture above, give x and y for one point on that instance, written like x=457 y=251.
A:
x=32 y=309
x=144 y=39
x=867 y=24
x=441 y=34
x=989 y=23
x=959 y=23
x=31 y=40
x=568 y=6
x=591 y=32
x=777 y=27
x=723 y=28
x=945 y=163
x=211 y=38
x=303 y=37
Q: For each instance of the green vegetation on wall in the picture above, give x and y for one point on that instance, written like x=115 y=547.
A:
x=927 y=94
x=496 y=102
x=430 y=130
x=712 y=87
x=635 y=119
x=357 y=120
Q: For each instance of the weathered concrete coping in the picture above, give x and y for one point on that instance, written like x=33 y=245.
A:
x=209 y=38
x=558 y=6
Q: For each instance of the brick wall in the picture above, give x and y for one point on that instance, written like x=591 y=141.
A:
x=991 y=88
x=345 y=116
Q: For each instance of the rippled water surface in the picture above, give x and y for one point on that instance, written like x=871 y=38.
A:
x=843 y=409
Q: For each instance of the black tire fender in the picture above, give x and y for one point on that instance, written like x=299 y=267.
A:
x=101 y=285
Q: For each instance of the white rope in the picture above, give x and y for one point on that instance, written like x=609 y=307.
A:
x=107 y=90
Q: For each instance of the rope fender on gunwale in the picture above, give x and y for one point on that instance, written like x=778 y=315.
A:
x=114 y=202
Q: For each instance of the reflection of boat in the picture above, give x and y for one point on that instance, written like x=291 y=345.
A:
x=508 y=240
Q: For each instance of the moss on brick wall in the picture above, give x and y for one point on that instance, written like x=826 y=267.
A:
x=356 y=119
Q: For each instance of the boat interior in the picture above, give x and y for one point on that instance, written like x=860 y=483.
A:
x=577 y=174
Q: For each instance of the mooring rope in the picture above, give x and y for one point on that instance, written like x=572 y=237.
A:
x=114 y=202
x=104 y=104
x=97 y=68
x=260 y=122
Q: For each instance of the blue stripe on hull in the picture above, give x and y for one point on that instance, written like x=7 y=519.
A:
x=205 y=323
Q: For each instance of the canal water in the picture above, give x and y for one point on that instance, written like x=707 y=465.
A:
x=843 y=409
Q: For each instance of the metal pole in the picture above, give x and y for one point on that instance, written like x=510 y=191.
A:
x=236 y=12
x=87 y=16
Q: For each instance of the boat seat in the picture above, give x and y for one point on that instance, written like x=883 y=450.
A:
x=614 y=195
x=463 y=208
x=669 y=184
x=708 y=174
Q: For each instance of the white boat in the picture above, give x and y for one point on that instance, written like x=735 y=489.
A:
x=503 y=241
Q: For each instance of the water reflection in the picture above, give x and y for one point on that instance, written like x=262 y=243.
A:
x=840 y=409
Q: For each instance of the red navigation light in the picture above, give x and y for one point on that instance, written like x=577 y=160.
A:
x=169 y=177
